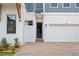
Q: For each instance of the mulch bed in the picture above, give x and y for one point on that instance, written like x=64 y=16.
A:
x=9 y=49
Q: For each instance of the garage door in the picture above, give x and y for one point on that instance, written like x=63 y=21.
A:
x=62 y=33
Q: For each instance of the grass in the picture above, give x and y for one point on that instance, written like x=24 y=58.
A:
x=2 y=53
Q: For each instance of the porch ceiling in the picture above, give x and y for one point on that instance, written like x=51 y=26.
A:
x=18 y=8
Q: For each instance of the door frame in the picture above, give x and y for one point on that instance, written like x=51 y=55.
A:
x=36 y=29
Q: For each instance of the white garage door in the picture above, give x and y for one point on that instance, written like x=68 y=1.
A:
x=62 y=34
x=61 y=28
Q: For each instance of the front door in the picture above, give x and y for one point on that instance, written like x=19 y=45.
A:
x=39 y=30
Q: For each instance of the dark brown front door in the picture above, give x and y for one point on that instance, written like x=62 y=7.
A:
x=39 y=30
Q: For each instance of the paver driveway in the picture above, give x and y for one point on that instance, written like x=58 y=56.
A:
x=49 y=49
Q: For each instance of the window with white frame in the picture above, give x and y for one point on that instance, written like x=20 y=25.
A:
x=77 y=5
x=66 y=5
x=11 y=23
x=53 y=5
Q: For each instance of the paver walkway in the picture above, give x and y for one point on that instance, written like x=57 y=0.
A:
x=49 y=49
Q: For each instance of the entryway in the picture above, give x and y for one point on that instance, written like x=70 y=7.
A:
x=39 y=32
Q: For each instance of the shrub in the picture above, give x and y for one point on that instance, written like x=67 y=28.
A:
x=0 y=47
x=4 y=43
x=16 y=43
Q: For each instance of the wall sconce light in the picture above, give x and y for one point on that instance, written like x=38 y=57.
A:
x=45 y=24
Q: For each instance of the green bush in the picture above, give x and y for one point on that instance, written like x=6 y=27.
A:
x=0 y=47
x=16 y=43
x=4 y=43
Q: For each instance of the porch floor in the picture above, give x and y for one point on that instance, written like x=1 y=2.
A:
x=49 y=49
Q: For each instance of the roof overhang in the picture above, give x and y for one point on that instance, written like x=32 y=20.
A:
x=18 y=9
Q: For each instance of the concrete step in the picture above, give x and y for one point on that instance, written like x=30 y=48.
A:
x=39 y=40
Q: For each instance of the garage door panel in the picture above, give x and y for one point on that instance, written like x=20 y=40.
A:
x=62 y=34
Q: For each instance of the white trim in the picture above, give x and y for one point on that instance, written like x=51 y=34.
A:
x=66 y=7
x=34 y=7
x=0 y=12
x=34 y=13
x=53 y=7
x=30 y=12
x=52 y=13
x=43 y=7
x=62 y=13
x=76 y=6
